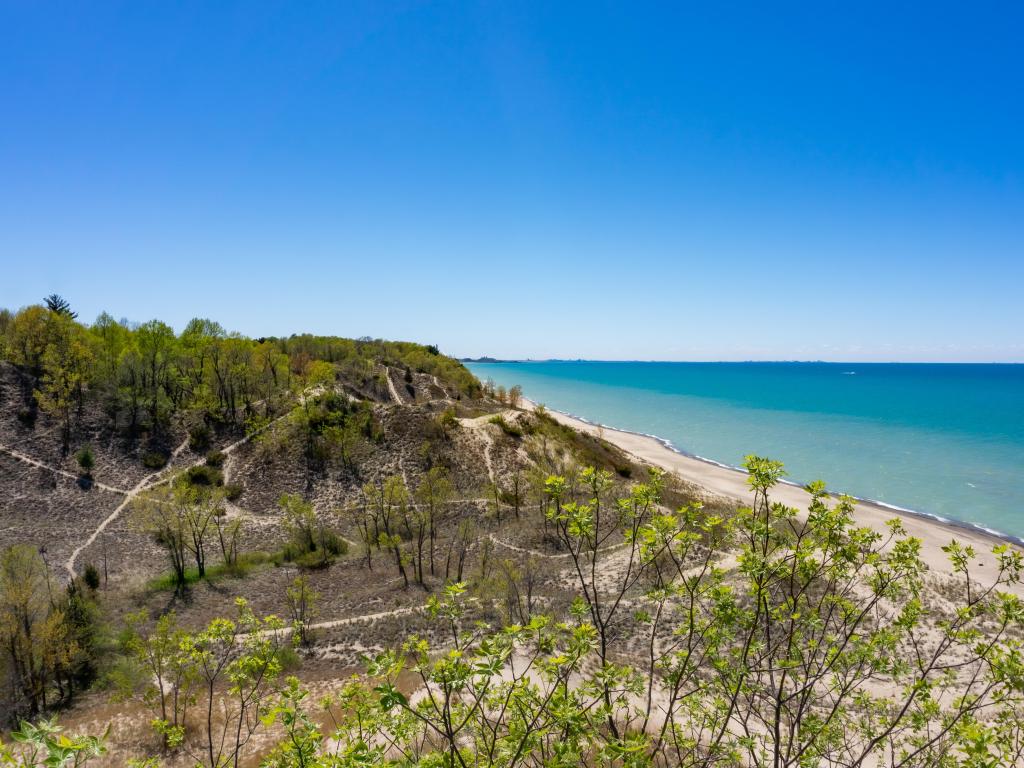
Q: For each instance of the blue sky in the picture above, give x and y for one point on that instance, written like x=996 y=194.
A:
x=606 y=180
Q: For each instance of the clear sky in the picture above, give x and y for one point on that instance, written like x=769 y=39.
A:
x=823 y=180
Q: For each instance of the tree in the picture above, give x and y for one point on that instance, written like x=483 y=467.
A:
x=228 y=534
x=155 y=343
x=25 y=617
x=59 y=306
x=46 y=639
x=66 y=363
x=222 y=678
x=300 y=521
x=458 y=548
x=434 y=491
x=302 y=605
x=395 y=503
x=181 y=519
x=386 y=502
x=86 y=461
x=162 y=655
x=27 y=340
x=108 y=341
x=515 y=396
x=310 y=541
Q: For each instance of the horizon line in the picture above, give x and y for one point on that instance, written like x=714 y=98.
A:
x=491 y=361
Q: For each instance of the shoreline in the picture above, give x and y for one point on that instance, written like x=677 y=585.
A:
x=722 y=480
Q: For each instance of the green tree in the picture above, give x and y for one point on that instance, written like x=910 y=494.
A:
x=86 y=461
x=222 y=679
x=302 y=606
x=59 y=306
x=156 y=346
x=434 y=491
x=170 y=676
x=66 y=362
x=182 y=519
x=109 y=339
x=46 y=635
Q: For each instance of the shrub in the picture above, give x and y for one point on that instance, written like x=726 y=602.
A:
x=199 y=437
x=215 y=459
x=86 y=461
x=448 y=421
x=27 y=416
x=154 y=460
x=328 y=546
x=91 y=577
x=509 y=429
x=204 y=475
x=233 y=491
x=310 y=543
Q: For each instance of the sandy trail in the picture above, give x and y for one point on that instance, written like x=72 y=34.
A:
x=142 y=485
x=479 y=426
x=153 y=480
x=56 y=470
x=549 y=555
x=391 y=386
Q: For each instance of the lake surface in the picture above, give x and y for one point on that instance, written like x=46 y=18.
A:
x=941 y=439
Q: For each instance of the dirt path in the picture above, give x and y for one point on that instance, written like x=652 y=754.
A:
x=142 y=485
x=56 y=470
x=153 y=480
x=553 y=556
x=367 y=617
x=391 y=386
x=479 y=426
x=444 y=392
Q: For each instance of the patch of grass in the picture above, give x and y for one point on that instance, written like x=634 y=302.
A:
x=320 y=557
x=590 y=450
x=215 y=459
x=509 y=429
x=247 y=561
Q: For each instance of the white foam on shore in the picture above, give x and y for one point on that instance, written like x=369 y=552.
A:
x=665 y=442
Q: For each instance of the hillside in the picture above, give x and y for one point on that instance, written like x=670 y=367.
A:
x=458 y=553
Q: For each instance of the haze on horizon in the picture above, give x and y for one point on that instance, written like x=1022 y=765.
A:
x=527 y=181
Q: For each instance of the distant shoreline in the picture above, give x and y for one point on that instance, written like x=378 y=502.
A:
x=723 y=480
x=499 y=361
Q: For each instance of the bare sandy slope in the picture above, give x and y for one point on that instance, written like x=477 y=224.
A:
x=730 y=483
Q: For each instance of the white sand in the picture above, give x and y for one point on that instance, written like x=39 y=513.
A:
x=732 y=483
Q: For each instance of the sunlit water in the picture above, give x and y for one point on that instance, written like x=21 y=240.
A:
x=946 y=440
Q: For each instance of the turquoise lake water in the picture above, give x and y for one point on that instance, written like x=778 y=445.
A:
x=941 y=439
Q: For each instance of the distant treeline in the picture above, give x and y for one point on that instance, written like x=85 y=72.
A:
x=144 y=374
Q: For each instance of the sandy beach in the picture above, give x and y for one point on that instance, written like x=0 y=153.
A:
x=717 y=480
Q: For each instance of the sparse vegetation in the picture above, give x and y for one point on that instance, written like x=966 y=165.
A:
x=512 y=430
x=154 y=460
x=644 y=628
x=86 y=461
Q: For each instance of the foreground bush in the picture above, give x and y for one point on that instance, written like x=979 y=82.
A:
x=770 y=638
